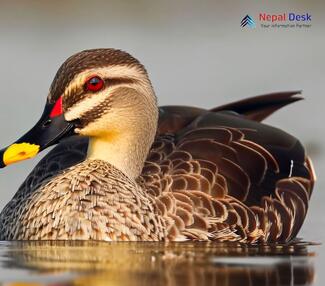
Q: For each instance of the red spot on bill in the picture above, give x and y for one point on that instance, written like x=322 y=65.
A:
x=57 y=109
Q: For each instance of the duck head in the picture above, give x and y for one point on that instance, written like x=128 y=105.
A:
x=104 y=94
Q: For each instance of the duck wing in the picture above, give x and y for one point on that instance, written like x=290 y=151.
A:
x=224 y=176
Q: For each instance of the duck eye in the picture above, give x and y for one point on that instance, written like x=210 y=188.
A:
x=94 y=83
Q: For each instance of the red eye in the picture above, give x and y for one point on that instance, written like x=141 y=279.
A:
x=95 y=83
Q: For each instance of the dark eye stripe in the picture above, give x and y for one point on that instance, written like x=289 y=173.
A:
x=104 y=107
x=96 y=112
x=81 y=94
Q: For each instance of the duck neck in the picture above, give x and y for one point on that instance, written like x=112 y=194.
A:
x=127 y=151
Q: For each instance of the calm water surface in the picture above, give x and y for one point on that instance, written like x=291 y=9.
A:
x=99 y=263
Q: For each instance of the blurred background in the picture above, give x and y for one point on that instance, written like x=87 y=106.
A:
x=196 y=54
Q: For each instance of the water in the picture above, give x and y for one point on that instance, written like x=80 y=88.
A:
x=100 y=263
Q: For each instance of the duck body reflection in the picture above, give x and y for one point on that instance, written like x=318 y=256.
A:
x=199 y=263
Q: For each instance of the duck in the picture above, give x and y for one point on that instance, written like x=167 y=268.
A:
x=124 y=169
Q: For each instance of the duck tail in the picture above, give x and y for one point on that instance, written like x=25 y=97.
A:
x=258 y=108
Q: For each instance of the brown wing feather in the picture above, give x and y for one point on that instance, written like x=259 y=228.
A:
x=228 y=178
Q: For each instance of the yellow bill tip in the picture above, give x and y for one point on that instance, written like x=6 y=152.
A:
x=19 y=152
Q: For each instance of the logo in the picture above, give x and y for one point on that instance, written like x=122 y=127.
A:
x=280 y=20
x=247 y=21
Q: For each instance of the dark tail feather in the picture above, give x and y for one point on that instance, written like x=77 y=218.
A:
x=258 y=108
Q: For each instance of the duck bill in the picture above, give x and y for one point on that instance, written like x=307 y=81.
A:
x=48 y=131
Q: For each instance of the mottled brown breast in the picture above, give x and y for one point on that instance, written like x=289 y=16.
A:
x=89 y=201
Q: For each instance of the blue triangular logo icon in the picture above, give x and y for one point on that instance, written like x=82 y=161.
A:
x=248 y=21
